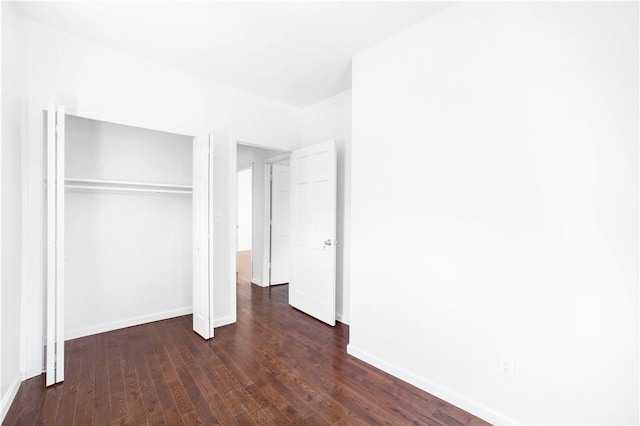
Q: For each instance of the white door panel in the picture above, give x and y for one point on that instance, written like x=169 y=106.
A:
x=55 y=244
x=202 y=244
x=280 y=188
x=312 y=285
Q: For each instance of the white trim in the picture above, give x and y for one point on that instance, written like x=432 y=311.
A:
x=51 y=246
x=8 y=397
x=60 y=242
x=33 y=240
x=124 y=121
x=268 y=147
x=130 y=322
x=342 y=318
x=210 y=223
x=25 y=232
x=259 y=282
x=266 y=226
x=232 y=195
x=470 y=405
x=277 y=158
x=223 y=321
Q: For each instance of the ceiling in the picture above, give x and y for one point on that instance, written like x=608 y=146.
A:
x=297 y=53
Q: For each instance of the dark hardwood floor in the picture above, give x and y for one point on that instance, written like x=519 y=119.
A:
x=274 y=366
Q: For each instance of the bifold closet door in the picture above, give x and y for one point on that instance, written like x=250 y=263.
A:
x=202 y=240
x=55 y=245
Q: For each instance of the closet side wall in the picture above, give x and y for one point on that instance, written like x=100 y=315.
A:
x=128 y=254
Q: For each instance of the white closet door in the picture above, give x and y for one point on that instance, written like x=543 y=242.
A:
x=55 y=245
x=202 y=242
x=280 y=205
x=312 y=286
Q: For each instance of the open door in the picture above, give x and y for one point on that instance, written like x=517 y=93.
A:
x=280 y=187
x=55 y=245
x=312 y=285
x=202 y=241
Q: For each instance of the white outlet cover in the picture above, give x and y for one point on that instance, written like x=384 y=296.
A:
x=506 y=367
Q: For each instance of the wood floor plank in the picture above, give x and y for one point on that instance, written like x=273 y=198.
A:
x=276 y=365
x=197 y=398
x=149 y=397
x=119 y=409
x=135 y=405
x=69 y=388
x=84 y=406
x=162 y=389
x=101 y=395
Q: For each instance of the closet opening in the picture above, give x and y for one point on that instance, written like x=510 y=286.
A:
x=128 y=226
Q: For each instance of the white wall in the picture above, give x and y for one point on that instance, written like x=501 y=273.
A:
x=10 y=224
x=253 y=156
x=331 y=119
x=129 y=255
x=495 y=209
x=86 y=76
x=244 y=209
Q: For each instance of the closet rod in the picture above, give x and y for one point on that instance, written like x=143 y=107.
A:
x=120 y=189
x=125 y=183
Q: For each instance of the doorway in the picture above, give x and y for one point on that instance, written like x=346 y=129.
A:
x=312 y=197
x=256 y=260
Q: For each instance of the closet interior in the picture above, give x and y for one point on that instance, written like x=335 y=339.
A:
x=128 y=226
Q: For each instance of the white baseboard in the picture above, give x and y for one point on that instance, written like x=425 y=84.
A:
x=342 y=318
x=219 y=322
x=470 y=405
x=115 y=325
x=8 y=397
x=258 y=281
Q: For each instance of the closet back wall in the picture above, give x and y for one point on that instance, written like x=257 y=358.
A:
x=128 y=253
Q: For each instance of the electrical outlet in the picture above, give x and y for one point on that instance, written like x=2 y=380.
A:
x=506 y=367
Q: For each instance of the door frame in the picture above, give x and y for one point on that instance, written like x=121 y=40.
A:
x=232 y=193
x=266 y=224
x=33 y=302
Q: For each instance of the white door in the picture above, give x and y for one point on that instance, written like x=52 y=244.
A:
x=280 y=186
x=202 y=242
x=55 y=245
x=312 y=285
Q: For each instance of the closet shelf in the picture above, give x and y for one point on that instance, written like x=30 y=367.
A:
x=125 y=186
